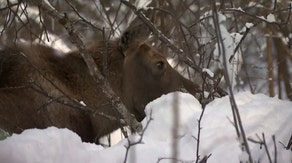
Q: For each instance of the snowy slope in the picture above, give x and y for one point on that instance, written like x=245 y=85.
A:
x=259 y=113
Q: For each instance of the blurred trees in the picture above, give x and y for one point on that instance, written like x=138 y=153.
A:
x=256 y=35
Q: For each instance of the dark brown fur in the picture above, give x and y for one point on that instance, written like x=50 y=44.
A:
x=143 y=75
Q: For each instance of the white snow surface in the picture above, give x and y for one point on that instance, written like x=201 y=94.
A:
x=271 y=18
x=249 y=25
x=211 y=74
x=259 y=113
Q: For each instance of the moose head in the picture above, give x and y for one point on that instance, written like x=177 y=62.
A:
x=147 y=75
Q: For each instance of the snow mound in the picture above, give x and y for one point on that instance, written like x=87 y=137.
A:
x=259 y=114
x=172 y=113
x=46 y=146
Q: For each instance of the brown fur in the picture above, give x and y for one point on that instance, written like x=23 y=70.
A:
x=31 y=85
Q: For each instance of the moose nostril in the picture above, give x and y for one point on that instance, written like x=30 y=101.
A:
x=160 y=64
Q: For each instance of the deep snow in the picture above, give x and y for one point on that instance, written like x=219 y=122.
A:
x=259 y=113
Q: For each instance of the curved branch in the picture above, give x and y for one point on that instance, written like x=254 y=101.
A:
x=94 y=71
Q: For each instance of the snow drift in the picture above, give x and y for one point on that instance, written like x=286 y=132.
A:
x=157 y=143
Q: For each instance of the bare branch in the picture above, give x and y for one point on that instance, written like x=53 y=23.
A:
x=266 y=148
x=130 y=144
x=289 y=144
x=94 y=71
x=236 y=115
x=84 y=19
x=275 y=149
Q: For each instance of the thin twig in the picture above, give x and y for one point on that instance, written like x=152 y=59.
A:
x=289 y=144
x=85 y=20
x=130 y=144
x=266 y=148
x=275 y=149
x=199 y=134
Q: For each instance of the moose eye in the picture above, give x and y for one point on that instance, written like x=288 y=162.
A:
x=160 y=64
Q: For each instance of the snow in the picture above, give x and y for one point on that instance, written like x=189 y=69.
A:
x=259 y=113
x=54 y=41
x=46 y=146
x=210 y=73
x=271 y=18
x=249 y=25
x=142 y=4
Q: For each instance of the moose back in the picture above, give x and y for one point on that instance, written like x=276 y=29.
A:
x=41 y=86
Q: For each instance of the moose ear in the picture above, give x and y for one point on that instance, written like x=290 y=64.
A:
x=143 y=47
x=133 y=34
x=137 y=48
x=125 y=39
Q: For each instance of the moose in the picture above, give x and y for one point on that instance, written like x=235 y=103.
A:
x=41 y=86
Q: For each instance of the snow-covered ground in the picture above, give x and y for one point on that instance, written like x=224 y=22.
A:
x=259 y=113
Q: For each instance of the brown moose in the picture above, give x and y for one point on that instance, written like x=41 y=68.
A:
x=41 y=87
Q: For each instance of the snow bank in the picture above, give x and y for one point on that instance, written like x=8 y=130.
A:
x=46 y=146
x=259 y=113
